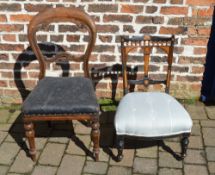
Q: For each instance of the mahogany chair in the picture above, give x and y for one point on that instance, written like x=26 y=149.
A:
x=61 y=98
x=150 y=115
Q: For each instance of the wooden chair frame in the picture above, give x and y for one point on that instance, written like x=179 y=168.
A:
x=147 y=43
x=58 y=15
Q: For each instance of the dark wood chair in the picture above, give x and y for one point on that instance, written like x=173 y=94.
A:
x=61 y=98
x=150 y=115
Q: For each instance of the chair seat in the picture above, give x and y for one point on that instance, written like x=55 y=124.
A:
x=61 y=95
x=151 y=114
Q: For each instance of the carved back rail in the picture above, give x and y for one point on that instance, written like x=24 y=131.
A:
x=61 y=14
x=146 y=44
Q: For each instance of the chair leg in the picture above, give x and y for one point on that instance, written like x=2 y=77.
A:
x=30 y=134
x=184 y=144
x=120 y=147
x=95 y=137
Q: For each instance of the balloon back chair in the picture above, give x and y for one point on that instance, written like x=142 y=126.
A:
x=150 y=115
x=61 y=98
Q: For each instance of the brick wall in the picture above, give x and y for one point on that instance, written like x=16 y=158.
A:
x=189 y=20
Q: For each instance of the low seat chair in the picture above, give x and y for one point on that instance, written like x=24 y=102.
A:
x=150 y=115
x=61 y=98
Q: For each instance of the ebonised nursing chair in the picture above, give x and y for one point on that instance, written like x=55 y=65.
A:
x=149 y=115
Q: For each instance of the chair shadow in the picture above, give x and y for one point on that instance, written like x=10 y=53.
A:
x=113 y=72
x=44 y=130
x=208 y=81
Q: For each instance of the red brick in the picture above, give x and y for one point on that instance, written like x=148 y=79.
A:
x=160 y=1
x=205 y=31
x=189 y=59
x=142 y=1
x=192 y=31
x=11 y=27
x=176 y=1
x=196 y=21
x=201 y=51
x=173 y=30
x=33 y=75
x=11 y=92
x=196 y=87
x=208 y=12
x=72 y=38
x=200 y=3
x=104 y=48
x=107 y=58
x=158 y=20
x=197 y=69
x=105 y=38
x=176 y=21
x=188 y=78
x=181 y=69
x=174 y=10
x=6 y=74
x=3 y=18
x=4 y=57
x=143 y=19
x=117 y=18
x=101 y=8
x=101 y=86
x=128 y=28
x=9 y=37
x=32 y=66
x=148 y=29
x=56 y=38
x=195 y=41
x=36 y=7
x=28 y=83
x=10 y=7
x=125 y=8
x=22 y=17
x=151 y=9
x=11 y=47
x=178 y=50
x=3 y=83
x=107 y=28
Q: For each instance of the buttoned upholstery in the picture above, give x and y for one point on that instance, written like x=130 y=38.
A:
x=151 y=114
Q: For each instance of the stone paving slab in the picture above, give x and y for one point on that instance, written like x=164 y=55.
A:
x=210 y=112
x=3 y=170
x=116 y=170
x=47 y=170
x=168 y=171
x=52 y=154
x=59 y=152
x=145 y=166
x=71 y=165
x=22 y=164
x=8 y=152
x=95 y=167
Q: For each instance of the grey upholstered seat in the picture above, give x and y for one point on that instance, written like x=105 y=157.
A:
x=61 y=95
x=151 y=114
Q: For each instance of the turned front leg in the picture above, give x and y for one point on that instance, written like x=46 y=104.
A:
x=184 y=145
x=120 y=147
x=30 y=135
x=95 y=137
